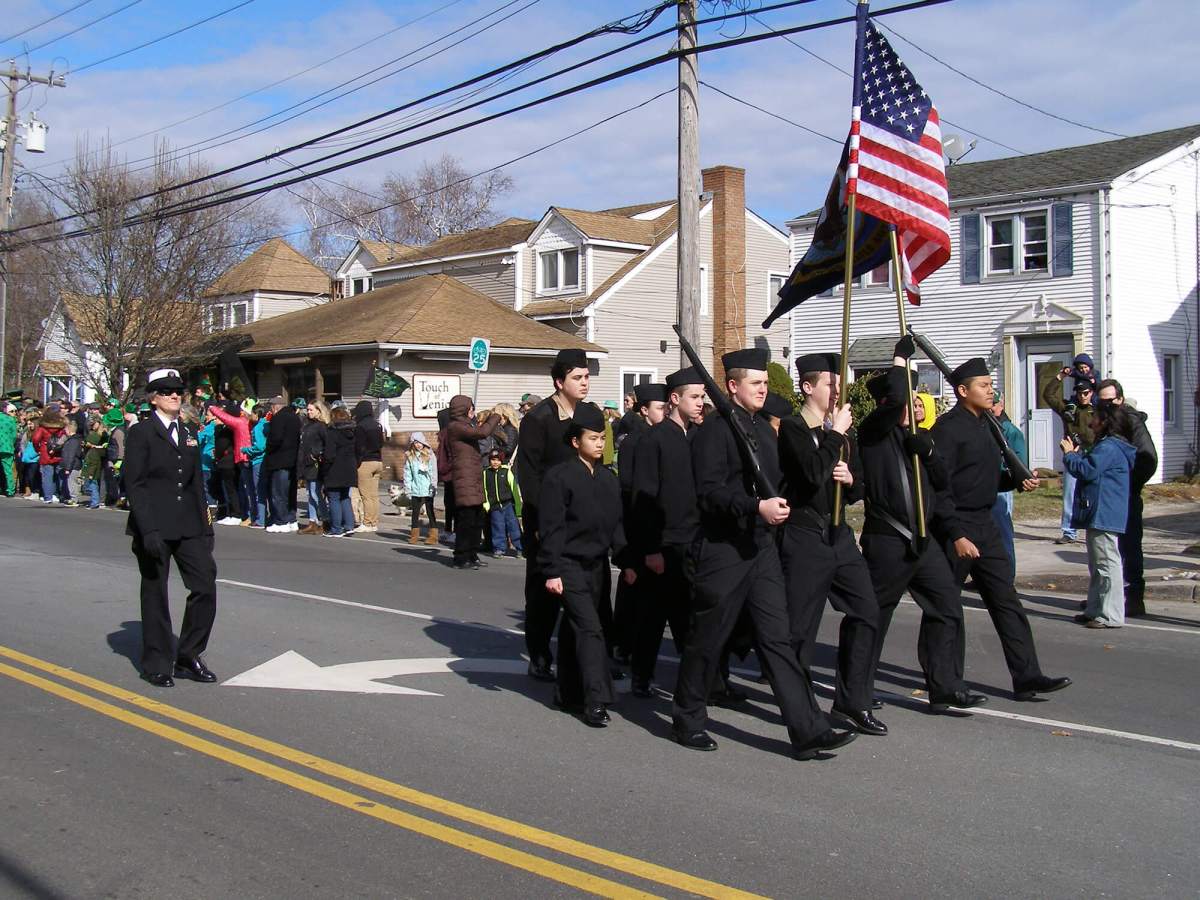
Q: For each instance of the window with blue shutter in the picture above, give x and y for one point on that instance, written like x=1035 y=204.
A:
x=1063 y=261
x=969 y=246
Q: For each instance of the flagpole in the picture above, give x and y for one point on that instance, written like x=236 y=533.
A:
x=860 y=12
x=898 y=278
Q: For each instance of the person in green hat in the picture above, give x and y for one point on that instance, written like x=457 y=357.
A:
x=8 y=449
x=114 y=456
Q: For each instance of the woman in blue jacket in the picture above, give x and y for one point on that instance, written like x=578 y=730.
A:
x=1101 y=506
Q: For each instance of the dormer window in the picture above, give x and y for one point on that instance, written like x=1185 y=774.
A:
x=360 y=286
x=559 y=270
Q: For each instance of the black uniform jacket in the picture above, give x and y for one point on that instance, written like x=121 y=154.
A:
x=163 y=482
x=627 y=455
x=580 y=517
x=725 y=487
x=807 y=454
x=542 y=439
x=973 y=463
x=664 y=510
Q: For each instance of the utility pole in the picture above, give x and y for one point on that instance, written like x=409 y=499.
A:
x=13 y=82
x=689 y=179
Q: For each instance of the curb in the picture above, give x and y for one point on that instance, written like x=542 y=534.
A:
x=1185 y=590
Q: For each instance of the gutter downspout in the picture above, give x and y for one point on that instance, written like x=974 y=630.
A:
x=1104 y=298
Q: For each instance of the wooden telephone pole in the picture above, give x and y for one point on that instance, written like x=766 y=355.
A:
x=689 y=179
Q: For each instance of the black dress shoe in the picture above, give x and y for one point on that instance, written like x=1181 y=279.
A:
x=596 y=716
x=641 y=688
x=1043 y=684
x=827 y=740
x=863 y=720
x=158 y=679
x=195 y=669
x=693 y=740
x=959 y=700
x=876 y=703
x=540 y=670
x=730 y=698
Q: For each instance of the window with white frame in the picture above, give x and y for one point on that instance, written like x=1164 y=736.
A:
x=879 y=278
x=1170 y=375
x=558 y=270
x=360 y=286
x=775 y=283
x=631 y=378
x=704 y=305
x=1018 y=242
x=239 y=313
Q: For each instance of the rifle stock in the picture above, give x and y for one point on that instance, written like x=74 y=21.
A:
x=723 y=405
x=1015 y=465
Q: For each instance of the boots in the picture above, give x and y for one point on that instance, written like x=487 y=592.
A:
x=414 y=536
x=432 y=539
x=312 y=528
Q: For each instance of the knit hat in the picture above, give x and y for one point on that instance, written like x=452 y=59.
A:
x=114 y=418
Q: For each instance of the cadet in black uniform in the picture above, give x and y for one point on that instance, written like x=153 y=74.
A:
x=735 y=566
x=168 y=518
x=970 y=537
x=820 y=561
x=580 y=522
x=662 y=525
x=542 y=444
x=891 y=545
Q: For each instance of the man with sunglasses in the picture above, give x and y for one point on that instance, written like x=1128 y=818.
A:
x=1076 y=417
x=168 y=519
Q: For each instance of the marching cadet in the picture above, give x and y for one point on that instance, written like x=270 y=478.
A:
x=821 y=561
x=580 y=523
x=736 y=566
x=969 y=534
x=168 y=519
x=891 y=544
x=543 y=444
x=662 y=525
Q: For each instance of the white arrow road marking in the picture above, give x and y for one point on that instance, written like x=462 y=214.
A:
x=291 y=671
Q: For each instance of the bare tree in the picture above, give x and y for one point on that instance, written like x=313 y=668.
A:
x=30 y=292
x=131 y=289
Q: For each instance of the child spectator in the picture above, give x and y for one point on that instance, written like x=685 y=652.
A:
x=93 y=462
x=502 y=502
x=420 y=480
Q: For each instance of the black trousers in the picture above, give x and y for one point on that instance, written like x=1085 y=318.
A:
x=194 y=556
x=415 y=504
x=657 y=600
x=229 y=480
x=448 y=502
x=583 y=672
x=725 y=583
x=541 y=607
x=625 y=612
x=993 y=575
x=468 y=531
x=941 y=643
x=817 y=569
x=1132 y=560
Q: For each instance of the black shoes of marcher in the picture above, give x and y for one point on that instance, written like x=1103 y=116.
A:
x=539 y=669
x=863 y=720
x=158 y=679
x=641 y=688
x=596 y=716
x=1043 y=684
x=693 y=740
x=827 y=740
x=195 y=669
x=1135 y=609
x=730 y=698
x=958 y=700
x=876 y=703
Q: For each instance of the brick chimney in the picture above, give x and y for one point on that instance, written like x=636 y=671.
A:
x=727 y=184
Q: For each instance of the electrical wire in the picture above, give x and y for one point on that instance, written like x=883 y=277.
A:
x=67 y=34
x=767 y=112
x=25 y=31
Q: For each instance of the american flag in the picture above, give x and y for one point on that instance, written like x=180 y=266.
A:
x=896 y=169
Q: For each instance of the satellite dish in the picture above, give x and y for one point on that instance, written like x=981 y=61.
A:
x=954 y=147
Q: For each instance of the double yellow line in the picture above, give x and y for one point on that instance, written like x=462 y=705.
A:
x=520 y=859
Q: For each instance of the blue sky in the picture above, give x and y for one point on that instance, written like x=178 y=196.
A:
x=1127 y=67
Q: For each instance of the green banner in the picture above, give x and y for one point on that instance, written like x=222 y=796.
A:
x=383 y=383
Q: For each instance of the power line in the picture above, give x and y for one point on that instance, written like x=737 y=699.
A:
x=70 y=9
x=767 y=112
x=108 y=15
x=163 y=37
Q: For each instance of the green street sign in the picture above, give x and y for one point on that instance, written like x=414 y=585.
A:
x=481 y=349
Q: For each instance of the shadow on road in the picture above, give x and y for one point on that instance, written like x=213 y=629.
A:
x=23 y=882
x=127 y=642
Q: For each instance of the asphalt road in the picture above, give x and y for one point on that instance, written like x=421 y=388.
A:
x=477 y=787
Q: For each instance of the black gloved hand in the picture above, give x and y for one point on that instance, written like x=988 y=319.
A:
x=153 y=544
x=920 y=444
x=905 y=347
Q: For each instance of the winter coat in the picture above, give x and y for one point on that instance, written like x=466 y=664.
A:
x=258 y=441
x=29 y=450
x=283 y=440
x=72 y=453
x=1102 y=486
x=1076 y=417
x=223 y=448
x=419 y=474
x=239 y=425
x=93 y=458
x=464 y=436
x=368 y=436
x=41 y=439
x=312 y=446
x=339 y=469
x=207 y=437
x=500 y=487
x=8 y=435
x=1146 y=462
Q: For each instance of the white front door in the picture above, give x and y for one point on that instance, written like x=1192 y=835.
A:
x=1042 y=358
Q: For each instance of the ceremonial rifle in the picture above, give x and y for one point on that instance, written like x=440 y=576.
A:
x=1016 y=466
x=723 y=405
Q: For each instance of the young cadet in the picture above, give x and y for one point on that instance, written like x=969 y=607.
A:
x=662 y=525
x=542 y=439
x=168 y=519
x=736 y=566
x=896 y=556
x=580 y=521
x=969 y=534
x=775 y=409
x=820 y=561
x=650 y=406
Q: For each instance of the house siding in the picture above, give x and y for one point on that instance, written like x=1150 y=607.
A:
x=606 y=261
x=277 y=304
x=766 y=253
x=559 y=235
x=489 y=275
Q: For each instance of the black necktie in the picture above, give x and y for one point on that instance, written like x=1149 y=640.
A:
x=171 y=433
